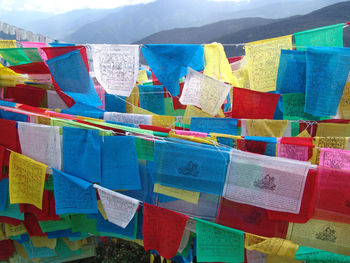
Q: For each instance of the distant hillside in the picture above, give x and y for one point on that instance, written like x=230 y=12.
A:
x=199 y=35
x=337 y=13
x=251 y=29
x=139 y=21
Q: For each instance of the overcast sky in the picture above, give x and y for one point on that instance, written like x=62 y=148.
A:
x=60 y=6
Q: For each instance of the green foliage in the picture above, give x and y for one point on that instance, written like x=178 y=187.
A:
x=121 y=251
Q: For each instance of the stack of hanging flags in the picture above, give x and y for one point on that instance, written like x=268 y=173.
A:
x=195 y=155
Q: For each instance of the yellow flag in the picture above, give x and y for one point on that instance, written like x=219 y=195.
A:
x=164 y=121
x=240 y=75
x=192 y=111
x=333 y=130
x=263 y=60
x=324 y=235
x=216 y=63
x=101 y=209
x=8 y=44
x=133 y=100
x=344 y=104
x=43 y=241
x=304 y=134
x=73 y=245
x=12 y=230
x=266 y=128
x=271 y=246
x=278 y=259
x=332 y=142
x=26 y=180
x=142 y=76
x=9 y=78
x=188 y=196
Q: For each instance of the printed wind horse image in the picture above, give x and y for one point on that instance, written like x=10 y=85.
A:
x=267 y=183
x=153 y=142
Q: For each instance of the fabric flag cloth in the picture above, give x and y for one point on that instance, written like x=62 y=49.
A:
x=326 y=75
x=271 y=246
x=333 y=130
x=120 y=209
x=32 y=225
x=26 y=95
x=120 y=167
x=18 y=56
x=37 y=45
x=291 y=76
x=250 y=104
x=308 y=202
x=335 y=158
x=216 y=63
x=344 y=105
x=169 y=62
x=81 y=151
x=128 y=118
x=116 y=67
x=115 y=103
x=333 y=197
x=162 y=230
x=41 y=143
x=200 y=169
x=26 y=180
x=227 y=243
x=152 y=98
x=263 y=60
x=73 y=195
x=319 y=234
x=316 y=255
x=9 y=138
x=4 y=188
x=6 y=249
x=295 y=148
x=268 y=182
x=293 y=107
x=328 y=36
x=264 y=128
x=250 y=219
x=56 y=51
x=72 y=77
x=204 y=92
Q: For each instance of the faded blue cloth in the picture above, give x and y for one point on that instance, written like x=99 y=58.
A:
x=73 y=195
x=81 y=153
x=115 y=103
x=152 y=98
x=82 y=109
x=291 y=77
x=21 y=238
x=169 y=62
x=120 y=169
x=104 y=226
x=218 y=125
x=4 y=190
x=7 y=103
x=326 y=74
x=139 y=233
x=71 y=75
x=14 y=116
x=38 y=252
x=145 y=194
x=195 y=168
x=278 y=115
x=63 y=233
x=58 y=44
x=13 y=211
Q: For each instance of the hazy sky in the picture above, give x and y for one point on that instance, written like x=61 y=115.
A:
x=59 y=6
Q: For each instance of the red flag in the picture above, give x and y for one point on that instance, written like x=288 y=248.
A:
x=162 y=230
x=307 y=204
x=6 y=249
x=9 y=138
x=32 y=225
x=26 y=95
x=250 y=219
x=250 y=104
x=333 y=202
